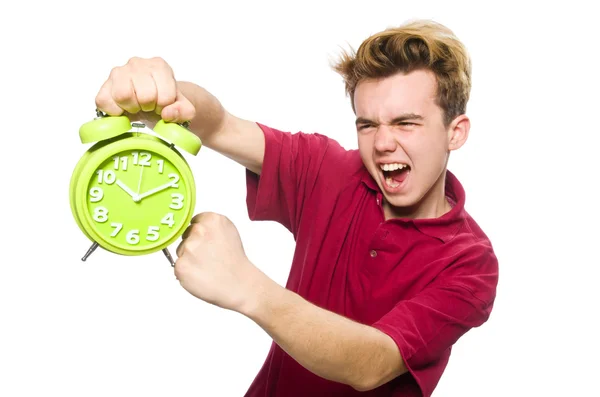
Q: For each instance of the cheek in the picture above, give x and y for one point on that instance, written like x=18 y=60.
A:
x=431 y=151
x=365 y=147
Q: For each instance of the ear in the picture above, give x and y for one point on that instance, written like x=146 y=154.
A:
x=458 y=132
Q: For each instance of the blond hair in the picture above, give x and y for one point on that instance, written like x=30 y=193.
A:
x=419 y=44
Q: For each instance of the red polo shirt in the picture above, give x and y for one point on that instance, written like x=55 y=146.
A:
x=423 y=282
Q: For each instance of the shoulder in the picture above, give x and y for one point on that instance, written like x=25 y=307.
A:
x=299 y=139
x=323 y=152
x=472 y=260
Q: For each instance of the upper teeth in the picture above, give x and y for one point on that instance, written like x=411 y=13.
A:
x=393 y=166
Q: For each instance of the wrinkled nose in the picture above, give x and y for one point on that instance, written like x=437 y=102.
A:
x=384 y=140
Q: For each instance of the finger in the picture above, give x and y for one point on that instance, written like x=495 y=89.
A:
x=198 y=217
x=105 y=101
x=187 y=232
x=179 y=111
x=145 y=91
x=179 y=251
x=179 y=264
x=207 y=216
x=123 y=92
x=166 y=89
x=208 y=220
x=185 y=243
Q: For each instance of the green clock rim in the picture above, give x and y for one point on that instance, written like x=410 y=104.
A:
x=150 y=143
x=75 y=178
x=140 y=141
x=72 y=192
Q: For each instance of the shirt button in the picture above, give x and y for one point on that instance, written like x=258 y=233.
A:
x=373 y=253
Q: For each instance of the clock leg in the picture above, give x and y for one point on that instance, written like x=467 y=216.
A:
x=169 y=257
x=89 y=251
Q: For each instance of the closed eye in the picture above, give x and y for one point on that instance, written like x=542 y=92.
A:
x=405 y=120
x=364 y=126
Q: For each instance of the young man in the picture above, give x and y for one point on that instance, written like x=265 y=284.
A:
x=389 y=269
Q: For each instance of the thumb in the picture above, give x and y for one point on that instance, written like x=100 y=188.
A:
x=179 y=111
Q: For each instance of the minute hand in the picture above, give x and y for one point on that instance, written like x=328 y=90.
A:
x=155 y=190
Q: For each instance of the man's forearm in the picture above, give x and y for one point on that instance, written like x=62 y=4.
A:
x=327 y=344
x=238 y=139
x=210 y=114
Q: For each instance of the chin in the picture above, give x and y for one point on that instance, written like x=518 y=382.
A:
x=401 y=201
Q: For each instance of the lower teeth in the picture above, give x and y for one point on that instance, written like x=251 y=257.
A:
x=390 y=182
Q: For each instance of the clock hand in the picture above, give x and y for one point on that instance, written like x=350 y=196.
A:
x=155 y=190
x=130 y=192
x=140 y=180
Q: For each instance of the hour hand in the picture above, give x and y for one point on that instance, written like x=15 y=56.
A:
x=130 y=192
x=155 y=190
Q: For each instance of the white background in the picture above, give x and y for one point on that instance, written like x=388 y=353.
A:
x=118 y=326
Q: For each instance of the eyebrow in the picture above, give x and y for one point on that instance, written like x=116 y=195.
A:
x=398 y=119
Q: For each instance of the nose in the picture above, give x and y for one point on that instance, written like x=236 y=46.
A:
x=384 y=139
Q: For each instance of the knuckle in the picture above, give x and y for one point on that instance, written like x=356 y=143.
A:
x=101 y=100
x=188 y=252
x=190 y=111
x=186 y=233
x=122 y=94
x=166 y=98
x=198 y=229
x=146 y=98
x=205 y=221
x=158 y=63
x=114 y=72
x=135 y=60
x=179 y=269
x=189 y=249
x=212 y=218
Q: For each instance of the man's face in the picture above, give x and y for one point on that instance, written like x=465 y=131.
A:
x=402 y=138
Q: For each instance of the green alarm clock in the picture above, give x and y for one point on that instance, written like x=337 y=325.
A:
x=133 y=193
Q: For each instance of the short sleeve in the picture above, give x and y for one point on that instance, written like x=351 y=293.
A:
x=294 y=165
x=425 y=327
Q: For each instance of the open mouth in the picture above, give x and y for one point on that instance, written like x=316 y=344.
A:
x=394 y=174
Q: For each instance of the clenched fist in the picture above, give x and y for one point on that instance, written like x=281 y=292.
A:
x=145 y=86
x=213 y=266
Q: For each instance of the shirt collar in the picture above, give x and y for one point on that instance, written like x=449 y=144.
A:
x=444 y=227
